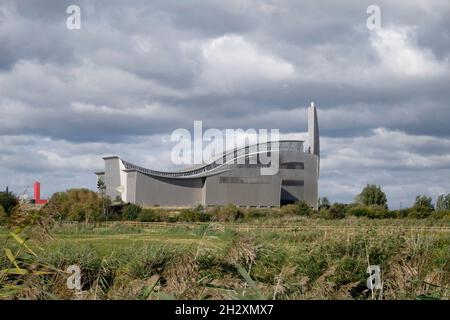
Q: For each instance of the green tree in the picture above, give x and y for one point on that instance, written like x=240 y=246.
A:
x=422 y=208
x=324 y=203
x=101 y=186
x=443 y=203
x=77 y=204
x=424 y=202
x=8 y=201
x=372 y=195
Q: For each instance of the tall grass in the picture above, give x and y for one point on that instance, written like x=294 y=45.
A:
x=204 y=262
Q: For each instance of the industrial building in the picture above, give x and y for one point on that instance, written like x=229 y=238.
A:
x=221 y=181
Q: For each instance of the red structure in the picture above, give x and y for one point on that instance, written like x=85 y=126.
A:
x=37 y=194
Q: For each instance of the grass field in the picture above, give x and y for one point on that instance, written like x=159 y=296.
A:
x=295 y=259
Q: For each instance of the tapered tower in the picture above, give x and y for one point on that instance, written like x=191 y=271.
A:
x=313 y=133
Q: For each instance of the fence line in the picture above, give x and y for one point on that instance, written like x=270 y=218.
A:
x=258 y=227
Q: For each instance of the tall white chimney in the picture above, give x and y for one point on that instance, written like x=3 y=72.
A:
x=313 y=132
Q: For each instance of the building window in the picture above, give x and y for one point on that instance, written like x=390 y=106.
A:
x=252 y=165
x=293 y=183
x=293 y=165
x=244 y=180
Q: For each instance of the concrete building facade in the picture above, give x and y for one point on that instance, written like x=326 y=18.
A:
x=222 y=181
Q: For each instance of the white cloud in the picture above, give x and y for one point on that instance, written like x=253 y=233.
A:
x=232 y=63
x=398 y=52
x=149 y=112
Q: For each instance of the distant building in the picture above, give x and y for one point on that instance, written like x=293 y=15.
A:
x=37 y=194
x=223 y=182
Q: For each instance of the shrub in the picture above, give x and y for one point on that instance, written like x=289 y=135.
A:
x=304 y=209
x=289 y=209
x=441 y=215
x=402 y=213
x=378 y=212
x=358 y=211
x=131 y=211
x=419 y=212
x=255 y=214
x=8 y=201
x=331 y=214
x=85 y=212
x=189 y=215
x=199 y=208
x=228 y=213
x=325 y=214
x=337 y=211
x=300 y=208
x=148 y=215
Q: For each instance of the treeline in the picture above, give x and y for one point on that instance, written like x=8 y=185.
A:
x=86 y=206
x=372 y=203
x=418 y=211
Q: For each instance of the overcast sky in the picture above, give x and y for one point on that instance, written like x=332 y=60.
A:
x=137 y=70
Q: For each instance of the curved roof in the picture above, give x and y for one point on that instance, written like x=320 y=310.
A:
x=217 y=165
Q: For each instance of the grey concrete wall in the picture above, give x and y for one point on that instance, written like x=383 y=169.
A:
x=151 y=191
x=243 y=187
x=112 y=177
x=131 y=186
x=308 y=175
x=311 y=179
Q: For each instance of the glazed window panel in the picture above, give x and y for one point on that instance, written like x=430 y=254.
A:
x=293 y=165
x=297 y=183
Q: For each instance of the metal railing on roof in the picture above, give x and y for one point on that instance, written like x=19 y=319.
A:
x=226 y=158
